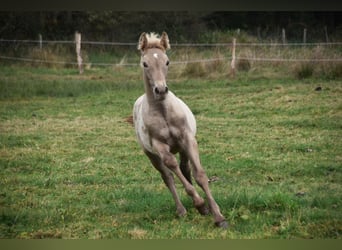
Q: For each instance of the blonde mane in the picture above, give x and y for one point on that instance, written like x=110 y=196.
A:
x=153 y=40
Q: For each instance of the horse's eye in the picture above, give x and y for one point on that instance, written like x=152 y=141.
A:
x=145 y=64
x=167 y=63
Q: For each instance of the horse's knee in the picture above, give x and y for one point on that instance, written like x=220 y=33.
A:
x=169 y=161
x=200 y=177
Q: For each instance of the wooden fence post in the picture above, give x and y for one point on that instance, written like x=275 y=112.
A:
x=259 y=33
x=283 y=36
x=304 y=36
x=40 y=41
x=232 y=64
x=326 y=34
x=78 y=51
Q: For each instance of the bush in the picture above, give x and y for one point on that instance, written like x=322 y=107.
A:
x=304 y=70
x=194 y=70
x=331 y=70
x=216 y=66
x=243 y=65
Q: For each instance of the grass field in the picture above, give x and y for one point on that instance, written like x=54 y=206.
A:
x=71 y=167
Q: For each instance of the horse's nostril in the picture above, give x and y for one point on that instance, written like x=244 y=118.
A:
x=161 y=90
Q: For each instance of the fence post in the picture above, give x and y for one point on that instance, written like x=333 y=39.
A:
x=259 y=33
x=232 y=64
x=304 y=36
x=40 y=41
x=283 y=36
x=78 y=51
x=326 y=34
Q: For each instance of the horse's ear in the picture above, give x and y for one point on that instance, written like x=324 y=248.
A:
x=142 y=42
x=164 y=41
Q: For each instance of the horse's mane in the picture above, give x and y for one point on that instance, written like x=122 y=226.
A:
x=153 y=41
x=153 y=37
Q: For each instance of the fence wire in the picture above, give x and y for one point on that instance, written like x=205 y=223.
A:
x=174 y=62
x=175 y=44
x=259 y=59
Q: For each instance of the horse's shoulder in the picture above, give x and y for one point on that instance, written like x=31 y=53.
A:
x=139 y=100
x=183 y=111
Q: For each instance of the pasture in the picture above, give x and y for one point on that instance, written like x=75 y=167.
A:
x=71 y=166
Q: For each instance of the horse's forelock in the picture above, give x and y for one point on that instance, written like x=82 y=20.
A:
x=153 y=37
x=153 y=41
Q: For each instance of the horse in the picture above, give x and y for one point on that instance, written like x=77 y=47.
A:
x=165 y=126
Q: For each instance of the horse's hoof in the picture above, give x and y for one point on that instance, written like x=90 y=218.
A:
x=181 y=213
x=203 y=210
x=222 y=224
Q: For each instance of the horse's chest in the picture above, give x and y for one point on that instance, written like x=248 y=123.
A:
x=168 y=130
x=169 y=123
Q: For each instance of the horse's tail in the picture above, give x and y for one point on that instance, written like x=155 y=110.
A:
x=129 y=119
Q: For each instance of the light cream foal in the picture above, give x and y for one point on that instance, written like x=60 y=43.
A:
x=165 y=126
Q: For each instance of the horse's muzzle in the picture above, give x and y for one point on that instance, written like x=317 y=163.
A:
x=160 y=91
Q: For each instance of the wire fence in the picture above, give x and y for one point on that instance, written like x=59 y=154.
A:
x=253 y=58
x=175 y=44
x=177 y=62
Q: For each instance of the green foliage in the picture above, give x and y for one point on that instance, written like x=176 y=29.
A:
x=185 y=26
x=320 y=69
x=243 y=65
x=194 y=70
x=71 y=166
x=304 y=70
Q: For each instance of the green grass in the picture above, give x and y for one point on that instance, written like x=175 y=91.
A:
x=71 y=167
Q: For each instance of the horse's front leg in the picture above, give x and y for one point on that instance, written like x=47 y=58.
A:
x=202 y=180
x=168 y=180
x=170 y=161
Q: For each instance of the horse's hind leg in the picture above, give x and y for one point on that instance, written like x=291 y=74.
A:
x=186 y=171
x=168 y=180
x=202 y=180
x=185 y=167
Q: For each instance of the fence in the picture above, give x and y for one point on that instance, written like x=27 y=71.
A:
x=234 y=51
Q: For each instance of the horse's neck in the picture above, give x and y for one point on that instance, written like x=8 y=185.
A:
x=163 y=107
x=169 y=108
x=160 y=107
x=148 y=90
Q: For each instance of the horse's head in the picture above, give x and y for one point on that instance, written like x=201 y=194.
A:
x=155 y=62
